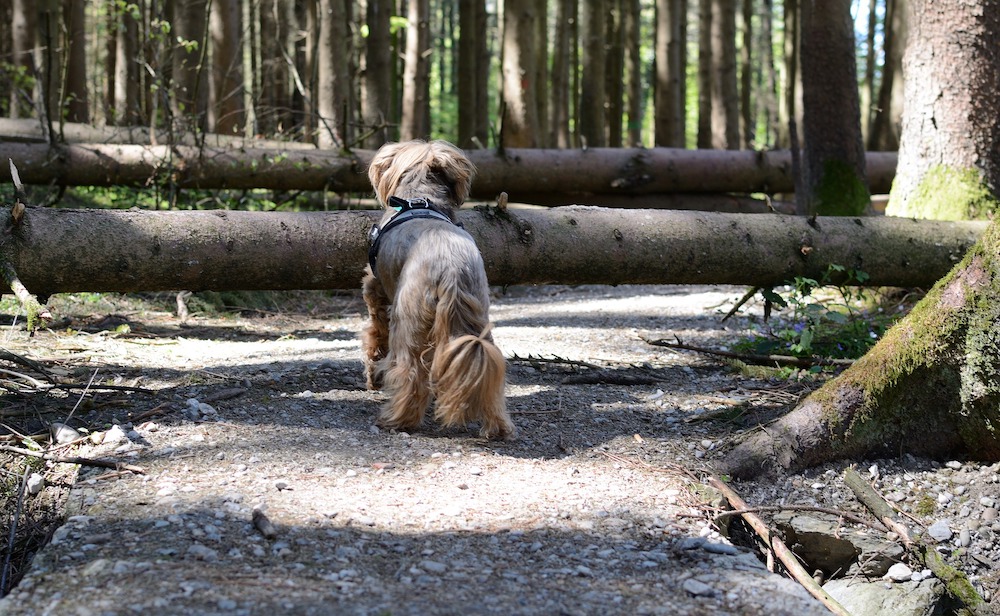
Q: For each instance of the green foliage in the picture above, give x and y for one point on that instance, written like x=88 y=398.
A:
x=832 y=317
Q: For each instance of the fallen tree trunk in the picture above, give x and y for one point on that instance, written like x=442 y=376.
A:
x=928 y=387
x=613 y=171
x=62 y=250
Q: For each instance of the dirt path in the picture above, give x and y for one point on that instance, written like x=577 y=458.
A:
x=588 y=512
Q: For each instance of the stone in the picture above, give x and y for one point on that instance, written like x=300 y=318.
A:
x=861 y=598
x=939 y=531
x=698 y=588
x=899 y=572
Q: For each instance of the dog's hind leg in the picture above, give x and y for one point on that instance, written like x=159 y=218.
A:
x=375 y=337
x=406 y=380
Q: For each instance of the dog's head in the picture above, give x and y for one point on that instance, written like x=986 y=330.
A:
x=434 y=170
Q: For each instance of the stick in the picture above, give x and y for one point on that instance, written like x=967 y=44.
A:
x=780 y=550
x=112 y=464
x=751 y=358
x=955 y=581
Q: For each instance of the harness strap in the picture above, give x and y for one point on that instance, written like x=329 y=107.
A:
x=409 y=209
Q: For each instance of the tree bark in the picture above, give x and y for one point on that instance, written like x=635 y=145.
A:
x=593 y=131
x=226 y=111
x=725 y=89
x=669 y=122
x=519 y=125
x=833 y=160
x=333 y=80
x=888 y=113
x=562 y=93
x=416 y=119
x=632 y=10
x=77 y=107
x=23 y=31
x=705 y=72
x=517 y=171
x=951 y=137
x=928 y=387
x=473 y=102
x=188 y=74
x=64 y=250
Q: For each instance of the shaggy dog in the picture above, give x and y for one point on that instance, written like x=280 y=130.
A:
x=428 y=298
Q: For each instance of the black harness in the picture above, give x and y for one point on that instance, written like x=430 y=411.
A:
x=409 y=209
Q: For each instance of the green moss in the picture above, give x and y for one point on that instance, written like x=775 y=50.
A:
x=841 y=191
x=947 y=193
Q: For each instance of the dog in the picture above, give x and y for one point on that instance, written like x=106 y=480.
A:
x=428 y=298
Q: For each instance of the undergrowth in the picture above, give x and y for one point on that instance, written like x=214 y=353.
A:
x=834 y=317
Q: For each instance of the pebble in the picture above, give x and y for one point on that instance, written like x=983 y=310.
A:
x=989 y=515
x=899 y=572
x=939 y=531
x=35 y=484
x=965 y=538
x=698 y=588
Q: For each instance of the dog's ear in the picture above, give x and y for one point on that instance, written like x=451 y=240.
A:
x=455 y=167
x=381 y=163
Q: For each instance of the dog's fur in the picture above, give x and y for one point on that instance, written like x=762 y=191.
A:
x=429 y=334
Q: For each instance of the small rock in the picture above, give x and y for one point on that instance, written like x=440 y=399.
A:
x=35 y=483
x=953 y=464
x=899 y=573
x=432 y=566
x=698 y=588
x=63 y=433
x=939 y=531
x=989 y=515
x=720 y=548
x=965 y=538
x=202 y=552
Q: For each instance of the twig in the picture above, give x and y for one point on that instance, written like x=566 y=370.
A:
x=746 y=298
x=118 y=466
x=555 y=359
x=955 y=581
x=780 y=550
x=752 y=358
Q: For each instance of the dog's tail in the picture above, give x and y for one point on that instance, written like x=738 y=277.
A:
x=468 y=371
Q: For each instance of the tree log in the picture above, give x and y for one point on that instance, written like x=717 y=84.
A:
x=928 y=387
x=64 y=250
x=612 y=171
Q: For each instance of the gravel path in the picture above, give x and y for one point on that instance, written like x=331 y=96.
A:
x=268 y=489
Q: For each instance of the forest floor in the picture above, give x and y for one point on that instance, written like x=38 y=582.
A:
x=266 y=488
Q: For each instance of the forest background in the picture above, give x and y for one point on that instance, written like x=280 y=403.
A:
x=521 y=73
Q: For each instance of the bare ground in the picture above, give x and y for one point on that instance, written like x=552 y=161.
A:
x=596 y=509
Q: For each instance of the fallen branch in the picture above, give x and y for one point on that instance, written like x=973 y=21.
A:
x=958 y=585
x=112 y=464
x=779 y=549
x=752 y=358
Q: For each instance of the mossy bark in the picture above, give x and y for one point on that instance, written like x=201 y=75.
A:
x=931 y=386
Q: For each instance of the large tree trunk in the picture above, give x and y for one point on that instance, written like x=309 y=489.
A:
x=77 y=107
x=725 y=89
x=669 y=90
x=226 y=113
x=333 y=81
x=518 y=172
x=950 y=144
x=519 y=124
x=888 y=110
x=416 y=104
x=189 y=76
x=62 y=250
x=928 y=387
x=473 y=101
x=833 y=161
x=592 y=95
